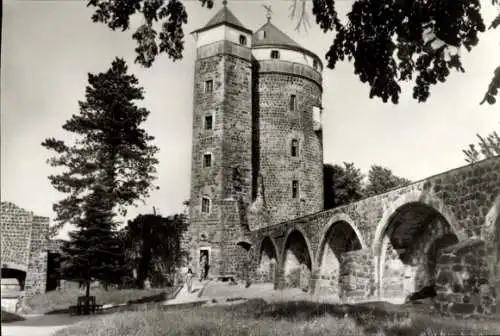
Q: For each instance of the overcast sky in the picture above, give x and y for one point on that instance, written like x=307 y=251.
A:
x=48 y=47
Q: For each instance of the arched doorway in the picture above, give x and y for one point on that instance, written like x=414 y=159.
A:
x=267 y=261
x=410 y=245
x=339 y=238
x=297 y=265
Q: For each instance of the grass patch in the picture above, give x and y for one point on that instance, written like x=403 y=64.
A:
x=60 y=301
x=256 y=317
x=8 y=317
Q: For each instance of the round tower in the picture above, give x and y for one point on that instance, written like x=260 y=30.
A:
x=288 y=150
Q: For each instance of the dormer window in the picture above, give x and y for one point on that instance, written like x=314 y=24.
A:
x=243 y=40
x=209 y=86
x=262 y=34
x=275 y=54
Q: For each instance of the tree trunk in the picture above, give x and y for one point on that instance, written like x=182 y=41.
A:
x=86 y=309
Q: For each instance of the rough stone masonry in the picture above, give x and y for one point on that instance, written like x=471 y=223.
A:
x=24 y=252
x=256 y=190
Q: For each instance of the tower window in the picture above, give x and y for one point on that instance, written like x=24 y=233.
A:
x=292 y=102
x=209 y=86
x=275 y=54
x=208 y=122
x=315 y=64
x=243 y=40
x=205 y=204
x=295 y=147
x=207 y=160
x=295 y=189
x=262 y=34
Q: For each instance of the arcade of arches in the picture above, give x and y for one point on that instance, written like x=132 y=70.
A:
x=438 y=238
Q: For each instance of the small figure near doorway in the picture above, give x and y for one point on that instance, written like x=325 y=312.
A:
x=204 y=266
x=189 y=280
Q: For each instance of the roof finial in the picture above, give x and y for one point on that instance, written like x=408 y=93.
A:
x=224 y=2
x=269 y=12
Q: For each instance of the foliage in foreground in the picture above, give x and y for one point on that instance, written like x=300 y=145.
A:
x=61 y=300
x=391 y=43
x=256 y=317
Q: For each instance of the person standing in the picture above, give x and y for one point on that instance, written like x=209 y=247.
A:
x=189 y=280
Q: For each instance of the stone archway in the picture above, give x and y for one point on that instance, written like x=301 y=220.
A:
x=408 y=249
x=267 y=261
x=339 y=238
x=297 y=261
x=12 y=285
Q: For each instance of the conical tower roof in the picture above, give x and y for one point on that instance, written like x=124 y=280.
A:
x=270 y=35
x=224 y=17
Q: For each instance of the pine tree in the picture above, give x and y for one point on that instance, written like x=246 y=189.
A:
x=110 y=166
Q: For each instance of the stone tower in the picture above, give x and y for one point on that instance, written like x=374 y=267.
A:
x=221 y=173
x=288 y=154
x=257 y=155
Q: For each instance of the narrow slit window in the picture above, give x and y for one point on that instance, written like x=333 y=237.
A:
x=205 y=205
x=295 y=189
x=275 y=54
x=295 y=147
x=207 y=160
x=208 y=122
x=292 y=102
x=209 y=86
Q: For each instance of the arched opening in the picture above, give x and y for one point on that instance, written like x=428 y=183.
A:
x=12 y=284
x=267 y=261
x=339 y=239
x=411 y=242
x=297 y=263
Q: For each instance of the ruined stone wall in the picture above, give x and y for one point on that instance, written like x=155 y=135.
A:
x=24 y=248
x=36 y=279
x=276 y=125
x=463 y=286
x=16 y=236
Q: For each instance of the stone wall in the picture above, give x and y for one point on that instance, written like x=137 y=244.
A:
x=229 y=142
x=16 y=235
x=463 y=286
x=275 y=126
x=24 y=249
x=462 y=198
x=355 y=275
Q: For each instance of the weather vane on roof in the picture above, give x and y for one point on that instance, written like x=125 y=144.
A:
x=269 y=12
x=224 y=2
